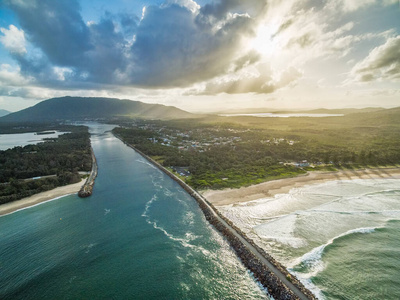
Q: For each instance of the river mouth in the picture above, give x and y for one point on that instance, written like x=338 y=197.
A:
x=138 y=236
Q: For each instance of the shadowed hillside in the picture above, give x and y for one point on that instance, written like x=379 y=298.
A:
x=78 y=108
x=3 y=112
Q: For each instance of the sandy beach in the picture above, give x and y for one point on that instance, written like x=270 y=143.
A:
x=41 y=197
x=283 y=186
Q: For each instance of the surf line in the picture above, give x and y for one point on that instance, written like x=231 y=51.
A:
x=279 y=283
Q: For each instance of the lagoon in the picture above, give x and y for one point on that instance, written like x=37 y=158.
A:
x=8 y=141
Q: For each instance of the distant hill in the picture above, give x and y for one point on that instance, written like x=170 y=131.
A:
x=344 y=111
x=382 y=117
x=79 y=108
x=4 y=112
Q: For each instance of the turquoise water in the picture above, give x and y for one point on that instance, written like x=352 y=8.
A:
x=362 y=266
x=341 y=238
x=139 y=236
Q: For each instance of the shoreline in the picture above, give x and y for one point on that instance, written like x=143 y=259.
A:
x=271 y=188
x=39 y=198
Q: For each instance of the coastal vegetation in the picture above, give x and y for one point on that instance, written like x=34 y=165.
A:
x=219 y=152
x=31 y=169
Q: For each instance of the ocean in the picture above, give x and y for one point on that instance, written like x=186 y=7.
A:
x=139 y=236
x=341 y=238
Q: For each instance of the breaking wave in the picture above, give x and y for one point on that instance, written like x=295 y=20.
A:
x=312 y=260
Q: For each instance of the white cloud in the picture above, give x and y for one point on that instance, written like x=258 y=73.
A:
x=189 y=4
x=258 y=79
x=382 y=63
x=353 y=5
x=13 y=39
x=62 y=73
x=11 y=76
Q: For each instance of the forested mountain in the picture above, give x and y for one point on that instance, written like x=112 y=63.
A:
x=78 y=108
x=3 y=112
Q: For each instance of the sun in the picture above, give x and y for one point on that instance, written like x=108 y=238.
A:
x=264 y=41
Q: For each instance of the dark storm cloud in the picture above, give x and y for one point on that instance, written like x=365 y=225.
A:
x=170 y=46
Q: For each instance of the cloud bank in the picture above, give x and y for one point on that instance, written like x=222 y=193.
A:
x=223 y=47
x=172 y=45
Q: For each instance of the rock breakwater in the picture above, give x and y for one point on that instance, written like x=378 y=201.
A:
x=87 y=188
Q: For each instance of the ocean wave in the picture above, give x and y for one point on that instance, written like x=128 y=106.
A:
x=312 y=260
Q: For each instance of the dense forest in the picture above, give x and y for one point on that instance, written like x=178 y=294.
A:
x=31 y=169
x=219 y=152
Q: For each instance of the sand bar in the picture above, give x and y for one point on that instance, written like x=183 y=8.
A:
x=282 y=186
x=40 y=197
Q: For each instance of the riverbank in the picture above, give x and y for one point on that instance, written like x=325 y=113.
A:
x=40 y=197
x=282 y=186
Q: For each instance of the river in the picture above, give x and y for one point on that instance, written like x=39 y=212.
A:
x=139 y=236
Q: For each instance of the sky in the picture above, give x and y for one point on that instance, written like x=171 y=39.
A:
x=202 y=56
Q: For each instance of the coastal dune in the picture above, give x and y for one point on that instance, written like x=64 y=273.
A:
x=282 y=186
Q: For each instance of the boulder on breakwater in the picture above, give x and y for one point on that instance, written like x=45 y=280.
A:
x=87 y=188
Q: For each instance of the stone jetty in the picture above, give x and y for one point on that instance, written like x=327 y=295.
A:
x=87 y=188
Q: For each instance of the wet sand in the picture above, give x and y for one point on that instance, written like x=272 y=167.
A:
x=41 y=197
x=282 y=186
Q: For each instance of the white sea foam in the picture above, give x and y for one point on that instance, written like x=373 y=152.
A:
x=148 y=205
x=88 y=247
x=144 y=161
x=285 y=225
x=313 y=259
x=185 y=242
x=189 y=218
x=157 y=181
x=281 y=230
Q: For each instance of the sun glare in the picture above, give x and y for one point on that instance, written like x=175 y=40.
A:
x=264 y=42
